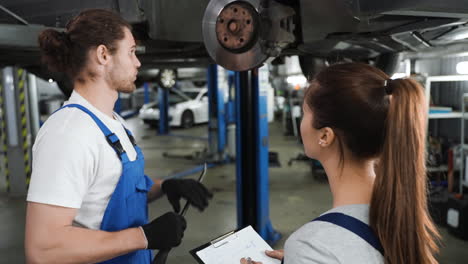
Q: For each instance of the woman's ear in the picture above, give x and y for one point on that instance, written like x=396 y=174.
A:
x=326 y=137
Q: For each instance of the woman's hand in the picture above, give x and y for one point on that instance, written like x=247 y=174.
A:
x=276 y=254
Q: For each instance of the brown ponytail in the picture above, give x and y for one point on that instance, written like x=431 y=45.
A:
x=398 y=211
x=353 y=100
x=68 y=51
x=55 y=48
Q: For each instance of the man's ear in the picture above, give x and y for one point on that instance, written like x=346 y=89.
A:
x=327 y=136
x=102 y=55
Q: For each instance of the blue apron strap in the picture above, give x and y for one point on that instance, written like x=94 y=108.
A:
x=354 y=225
x=130 y=136
x=111 y=138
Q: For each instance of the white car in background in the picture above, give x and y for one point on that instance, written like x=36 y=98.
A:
x=187 y=107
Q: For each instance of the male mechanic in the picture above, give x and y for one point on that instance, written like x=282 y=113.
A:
x=87 y=200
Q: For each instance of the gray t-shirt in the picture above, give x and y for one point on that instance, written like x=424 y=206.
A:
x=323 y=242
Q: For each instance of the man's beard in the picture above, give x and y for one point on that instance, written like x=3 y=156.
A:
x=125 y=87
x=122 y=85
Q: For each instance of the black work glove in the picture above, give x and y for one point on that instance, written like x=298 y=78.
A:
x=165 y=231
x=194 y=192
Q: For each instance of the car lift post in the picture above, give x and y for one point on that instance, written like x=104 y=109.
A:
x=118 y=105
x=163 y=98
x=146 y=91
x=217 y=121
x=252 y=155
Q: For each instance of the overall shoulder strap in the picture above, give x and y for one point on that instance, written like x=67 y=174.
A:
x=354 y=225
x=130 y=136
x=129 y=133
x=111 y=138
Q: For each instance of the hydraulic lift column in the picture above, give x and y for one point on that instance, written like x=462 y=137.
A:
x=166 y=80
x=252 y=156
x=163 y=99
x=216 y=77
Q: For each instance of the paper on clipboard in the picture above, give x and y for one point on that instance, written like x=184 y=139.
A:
x=241 y=244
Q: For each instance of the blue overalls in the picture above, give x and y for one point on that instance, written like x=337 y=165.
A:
x=128 y=204
x=354 y=225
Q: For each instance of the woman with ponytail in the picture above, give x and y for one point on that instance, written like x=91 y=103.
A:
x=369 y=133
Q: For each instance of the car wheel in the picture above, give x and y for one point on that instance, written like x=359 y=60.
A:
x=187 y=119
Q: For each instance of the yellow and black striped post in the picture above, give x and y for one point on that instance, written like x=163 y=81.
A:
x=23 y=118
x=15 y=123
x=3 y=140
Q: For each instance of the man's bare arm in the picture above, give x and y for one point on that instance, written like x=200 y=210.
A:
x=51 y=238
x=156 y=191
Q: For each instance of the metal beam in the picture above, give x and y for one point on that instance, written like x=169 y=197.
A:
x=429 y=8
x=52 y=12
x=20 y=36
x=15 y=16
x=454 y=50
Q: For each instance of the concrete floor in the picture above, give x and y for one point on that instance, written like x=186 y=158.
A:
x=295 y=196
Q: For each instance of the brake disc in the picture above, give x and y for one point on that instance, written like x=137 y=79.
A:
x=231 y=32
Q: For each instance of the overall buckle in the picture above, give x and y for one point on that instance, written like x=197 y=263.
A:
x=115 y=144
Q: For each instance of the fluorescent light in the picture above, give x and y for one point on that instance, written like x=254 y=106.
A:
x=398 y=75
x=460 y=36
x=296 y=79
x=51 y=81
x=462 y=67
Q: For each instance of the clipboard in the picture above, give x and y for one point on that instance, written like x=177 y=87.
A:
x=239 y=243
x=194 y=251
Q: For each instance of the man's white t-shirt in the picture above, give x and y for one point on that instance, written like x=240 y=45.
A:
x=74 y=166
